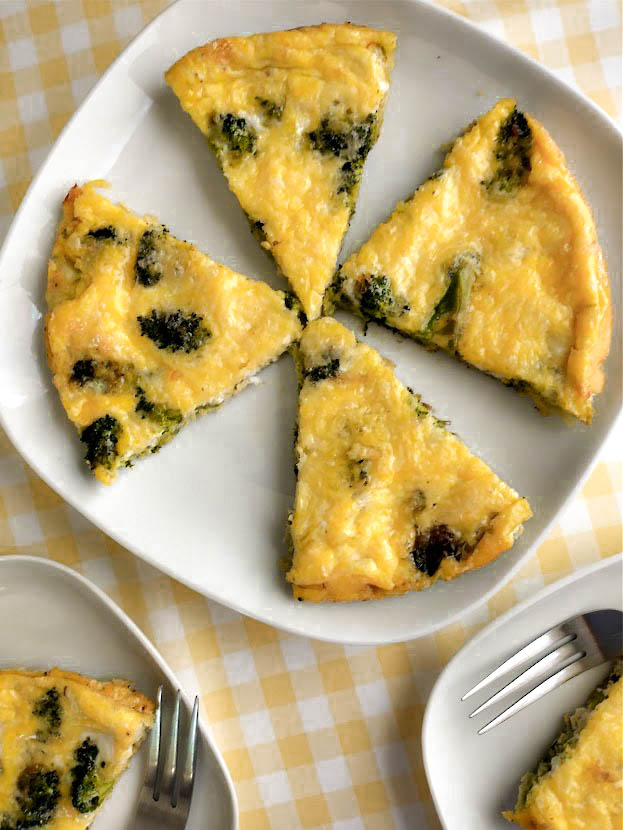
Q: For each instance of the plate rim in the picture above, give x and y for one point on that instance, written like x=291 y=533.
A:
x=425 y=630
x=118 y=612
x=486 y=631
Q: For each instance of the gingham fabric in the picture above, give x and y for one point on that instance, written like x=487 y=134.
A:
x=314 y=735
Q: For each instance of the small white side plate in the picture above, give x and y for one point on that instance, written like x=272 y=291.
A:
x=210 y=508
x=51 y=616
x=473 y=777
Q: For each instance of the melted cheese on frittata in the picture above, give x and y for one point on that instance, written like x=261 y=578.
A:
x=111 y=716
x=496 y=259
x=584 y=790
x=387 y=500
x=291 y=116
x=146 y=330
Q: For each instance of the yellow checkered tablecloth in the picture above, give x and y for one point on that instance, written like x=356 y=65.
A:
x=315 y=735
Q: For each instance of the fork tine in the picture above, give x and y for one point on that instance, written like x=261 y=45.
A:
x=168 y=775
x=152 y=778
x=554 y=660
x=573 y=668
x=551 y=639
x=187 y=776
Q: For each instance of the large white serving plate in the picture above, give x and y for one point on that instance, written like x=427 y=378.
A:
x=474 y=777
x=51 y=616
x=210 y=508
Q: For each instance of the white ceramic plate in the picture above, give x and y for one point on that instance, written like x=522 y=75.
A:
x=66 y=621
x=473 y=777
x=210 y=508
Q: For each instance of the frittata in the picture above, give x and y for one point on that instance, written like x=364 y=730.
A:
x=144 y=332
x=387 y=499
x=496 y=260
x=64 y=742
x=579 y=783
x=291 y=117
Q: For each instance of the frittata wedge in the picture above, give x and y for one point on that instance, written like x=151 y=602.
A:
x=387 y=499
x=496 y=260
x=579 y=782
x=64 y=742
x=291 y=117
x=144 y=332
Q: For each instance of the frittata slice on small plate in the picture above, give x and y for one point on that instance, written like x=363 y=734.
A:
x=495 y=259
x=144 y=331
x=387 y=499
x=291 y=117
x=579 y=782
x=64 y=742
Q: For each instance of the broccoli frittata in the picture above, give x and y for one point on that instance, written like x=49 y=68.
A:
x=578 y=784
x=496 y=260
x=64 y=742
x=291 y=117
x=144 y=332
x=387 y=499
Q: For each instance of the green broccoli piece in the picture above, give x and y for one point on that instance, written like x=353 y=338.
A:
x=351 y=143
x=148 y=266
x=50 y=710
x=105 y=375
x=232 y=132
x=107 y=233
x=38 y=794
x=82 y=372
x=433 y=545
x=376 y=298
x=512 y=154
x=159 y=413
x=460 y=278
x=271 y=109
x=292 y=303
x=327 y=370
x=175 y=331
x=101 y=438
x=87 y=788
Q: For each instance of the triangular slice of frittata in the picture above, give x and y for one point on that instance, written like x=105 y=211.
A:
x=387 y=499
x=578 y=782
x=144 y=332
x=496 y=259
x=64 y=742
x=291 y=117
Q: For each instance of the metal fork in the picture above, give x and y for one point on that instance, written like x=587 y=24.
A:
x=563 y=652
x=168 y=786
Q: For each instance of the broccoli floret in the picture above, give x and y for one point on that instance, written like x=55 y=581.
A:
x=104 y=233
x=350 y=142
x=233 y=132
x=460 y=277
x=105 y=375
x=49 y=709
x=37 y=796
x=376 y=298
x=162 y=415
x=82 y=372
x=175 y=331
x=271 y=108
x=327 y=370
x=434 y=545
x=513 y=147
x=101 y=438
x=292 y=303
x=87 y=789
x=148 y=266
